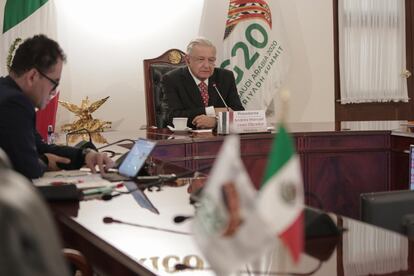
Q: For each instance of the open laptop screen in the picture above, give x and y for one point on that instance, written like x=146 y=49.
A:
x=136 y=157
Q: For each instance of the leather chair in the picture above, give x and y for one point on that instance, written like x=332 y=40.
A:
x=156 y=100
x=29 y=241
x=393 y=210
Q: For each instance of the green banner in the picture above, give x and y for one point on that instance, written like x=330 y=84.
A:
x=16 y=11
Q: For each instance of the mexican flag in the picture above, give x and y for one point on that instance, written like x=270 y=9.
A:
x=280 y=201
x=226 y=227
x=256 y=51
x=25 y=18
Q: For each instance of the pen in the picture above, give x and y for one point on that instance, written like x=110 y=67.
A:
x=60 y=183
x=102 y=190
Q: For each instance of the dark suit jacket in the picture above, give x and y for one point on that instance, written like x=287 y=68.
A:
x=19 y=138
x=184 y=98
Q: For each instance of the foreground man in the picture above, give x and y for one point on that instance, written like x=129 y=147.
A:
x=33 y=79
x=192 y=91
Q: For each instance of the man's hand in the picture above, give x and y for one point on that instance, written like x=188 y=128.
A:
x=222 y=109
x=53 y=159
x=204 y=121
x=93 y=158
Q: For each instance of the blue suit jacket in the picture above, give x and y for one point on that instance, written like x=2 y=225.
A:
x=19 y=137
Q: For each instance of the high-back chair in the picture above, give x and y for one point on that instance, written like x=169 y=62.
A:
x=393 y=210
x=156 y=100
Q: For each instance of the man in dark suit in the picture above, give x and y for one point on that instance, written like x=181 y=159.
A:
x=194 y=91
x=34 y=76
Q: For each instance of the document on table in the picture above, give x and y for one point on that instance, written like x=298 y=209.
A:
x=82 y=179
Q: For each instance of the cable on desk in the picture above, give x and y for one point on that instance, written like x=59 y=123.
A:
x=116 y=142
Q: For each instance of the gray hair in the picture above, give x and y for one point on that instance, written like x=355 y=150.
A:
x=199 y=41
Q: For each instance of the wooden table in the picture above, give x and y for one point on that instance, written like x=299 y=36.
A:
x=144 y=244
x=339 y=160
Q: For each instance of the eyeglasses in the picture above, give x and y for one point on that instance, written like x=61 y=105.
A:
x=211 y=61
x=55 y=83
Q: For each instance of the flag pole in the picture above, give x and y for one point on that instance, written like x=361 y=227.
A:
x=284 y=96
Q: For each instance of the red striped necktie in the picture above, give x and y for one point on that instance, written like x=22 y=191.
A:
x=204 y=92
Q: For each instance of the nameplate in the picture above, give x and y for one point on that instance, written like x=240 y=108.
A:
x=241 y=122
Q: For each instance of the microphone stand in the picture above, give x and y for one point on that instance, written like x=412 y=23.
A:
x=78 y=131
x=221 y=97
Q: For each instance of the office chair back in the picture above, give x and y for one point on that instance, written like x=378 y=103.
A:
x=391 y=210
x=156 y=100
x=28 y=239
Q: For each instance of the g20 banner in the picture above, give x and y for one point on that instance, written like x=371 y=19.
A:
x=255 y=50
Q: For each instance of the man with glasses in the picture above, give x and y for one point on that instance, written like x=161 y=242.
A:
x=32 y=81
x=195 y=91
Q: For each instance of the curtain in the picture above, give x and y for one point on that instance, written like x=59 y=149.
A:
x=368 y=250
x=372 y=125
x=372 y=51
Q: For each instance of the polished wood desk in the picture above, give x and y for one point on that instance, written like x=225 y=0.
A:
x=339 y=160
x=345 y=163
x=145 y=243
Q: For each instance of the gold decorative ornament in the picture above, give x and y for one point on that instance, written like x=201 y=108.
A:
x=175 y=57
x=10 y=55
x=85 y=121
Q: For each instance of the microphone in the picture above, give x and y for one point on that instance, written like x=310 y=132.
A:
x=108 y=220
x=181 y=267
x=116 y=142
x=82 y=144
x=180 y=219
x=107 y=197
x=221 y=97
x=150 y=185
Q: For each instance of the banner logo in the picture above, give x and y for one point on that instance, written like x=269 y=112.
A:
x=254 y=51
x=240 y=10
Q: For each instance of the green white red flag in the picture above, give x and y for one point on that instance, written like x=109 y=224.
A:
x=24 y=19
x=280 y=202
x=226 y=228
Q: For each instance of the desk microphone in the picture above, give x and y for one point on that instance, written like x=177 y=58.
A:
x=221 y=97
x=117 y=142
x=82 y=144
x=149 y=185
x=179 y=219
x=157 y=182
x=108 y=220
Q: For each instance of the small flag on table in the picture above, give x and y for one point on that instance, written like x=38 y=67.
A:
x=225 y=226
x=280 y=201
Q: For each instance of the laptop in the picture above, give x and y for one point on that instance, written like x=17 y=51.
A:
x=133 y=161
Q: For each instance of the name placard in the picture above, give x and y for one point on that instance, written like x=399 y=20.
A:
x=241 y=122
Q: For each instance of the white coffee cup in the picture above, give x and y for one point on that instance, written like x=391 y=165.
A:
x=180 y=123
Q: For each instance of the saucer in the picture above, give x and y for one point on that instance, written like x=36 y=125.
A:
x=187 y=129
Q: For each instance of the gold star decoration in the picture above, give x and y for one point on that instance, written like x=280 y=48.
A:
x=86 y=121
